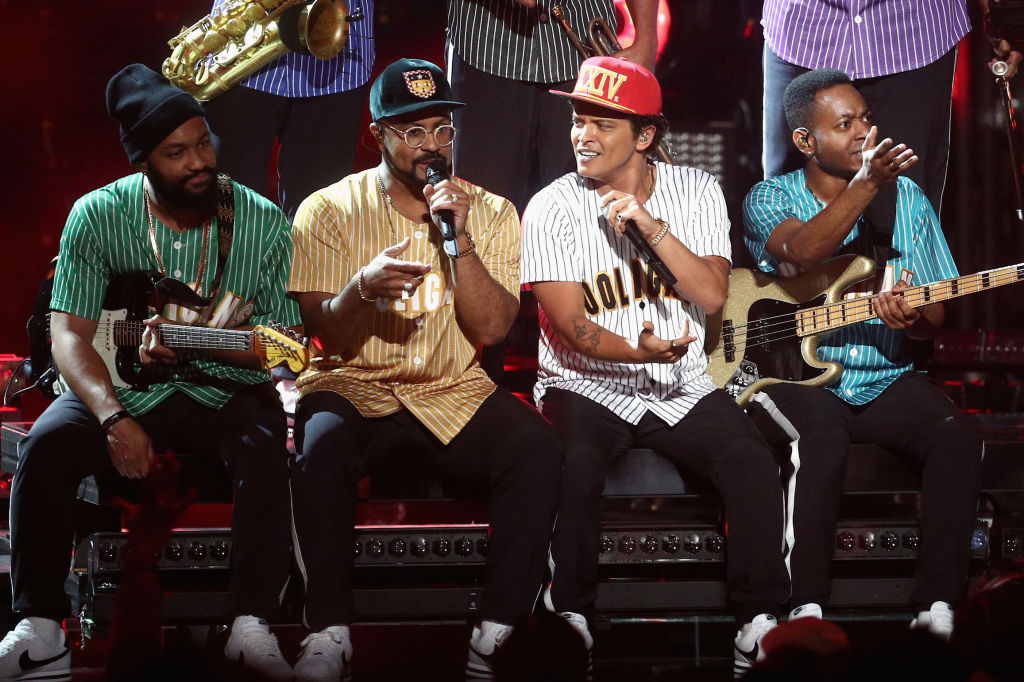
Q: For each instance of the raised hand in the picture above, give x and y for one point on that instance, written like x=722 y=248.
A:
x=885 y=161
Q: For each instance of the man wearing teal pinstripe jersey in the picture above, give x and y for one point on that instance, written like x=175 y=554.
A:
x=792 y=223
x=220 y=404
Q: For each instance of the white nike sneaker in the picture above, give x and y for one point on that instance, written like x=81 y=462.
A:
x=937 y=620
x=36 y=649
x=325 y=655
x=747 y=647
x=809 y=610
x=253 y=647
x=483 y=644
x=579 y=624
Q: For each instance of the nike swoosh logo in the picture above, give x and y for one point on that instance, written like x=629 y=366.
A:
x=28 y=663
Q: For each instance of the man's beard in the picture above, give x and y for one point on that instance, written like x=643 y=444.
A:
x=408 y=177
x=178 y=196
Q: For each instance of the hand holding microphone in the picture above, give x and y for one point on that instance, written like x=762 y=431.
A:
x=624 y=212
x=443 y=192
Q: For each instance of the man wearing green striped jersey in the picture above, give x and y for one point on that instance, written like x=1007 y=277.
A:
x=217 y=403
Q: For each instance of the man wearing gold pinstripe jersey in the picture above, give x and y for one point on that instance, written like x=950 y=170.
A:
x=399 y=320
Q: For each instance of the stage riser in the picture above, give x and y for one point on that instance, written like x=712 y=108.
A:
x=103 y=553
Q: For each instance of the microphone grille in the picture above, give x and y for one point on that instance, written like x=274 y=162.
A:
x=437 y=171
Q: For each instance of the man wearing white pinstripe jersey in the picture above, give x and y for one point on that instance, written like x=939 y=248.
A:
x=620 y=361
x=795 y=221
x=400 y=314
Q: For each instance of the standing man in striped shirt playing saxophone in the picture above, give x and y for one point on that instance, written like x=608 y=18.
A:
x=400 y=315
x=215 y=403
x=621 y=362
x=792 y=223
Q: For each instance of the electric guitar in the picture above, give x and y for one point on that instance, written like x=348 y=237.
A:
x=119 y=333
x=117 y=341
x=769 y=329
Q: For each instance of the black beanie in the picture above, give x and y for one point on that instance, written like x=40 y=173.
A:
x=148 y=107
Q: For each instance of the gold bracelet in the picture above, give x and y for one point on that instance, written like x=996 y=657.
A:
x=661 y=233
x=359 y=287
x=468 y=250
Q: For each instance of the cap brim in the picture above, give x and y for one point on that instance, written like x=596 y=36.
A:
x=593 y=100
x=417 y=106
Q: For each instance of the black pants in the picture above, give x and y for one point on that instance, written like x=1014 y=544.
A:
x=66 y=444
x=715 y=440
x=506 y=449
x=318 y=137
x=513 y=136
x=912 y=416
x=912 y=107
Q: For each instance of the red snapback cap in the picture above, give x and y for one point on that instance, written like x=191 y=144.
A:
x=616 y=84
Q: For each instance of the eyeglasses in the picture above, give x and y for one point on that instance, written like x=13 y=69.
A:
x=416 y=136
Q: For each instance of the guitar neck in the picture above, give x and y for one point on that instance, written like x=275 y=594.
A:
x=180 y=336
x=823 y=318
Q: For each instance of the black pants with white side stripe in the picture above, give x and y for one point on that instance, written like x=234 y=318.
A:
x=715 y=439
x=506 y=450
x=66 y=444
x=912 y=417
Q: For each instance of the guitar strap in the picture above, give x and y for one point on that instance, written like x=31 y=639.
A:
x=874 y=238
x=225 y=235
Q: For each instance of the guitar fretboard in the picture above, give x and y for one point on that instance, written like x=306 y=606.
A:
x=823 y=318
x=127 y=333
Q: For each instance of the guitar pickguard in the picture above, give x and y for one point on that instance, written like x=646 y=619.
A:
x=766 y=347
x=752 y=342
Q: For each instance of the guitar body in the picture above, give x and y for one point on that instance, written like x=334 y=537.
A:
x=122 y=361
x=752 y=342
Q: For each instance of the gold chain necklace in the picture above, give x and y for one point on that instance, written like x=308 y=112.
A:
x=387 y=212
x=156 y=248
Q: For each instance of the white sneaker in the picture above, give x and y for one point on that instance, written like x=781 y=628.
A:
x=937 y=620
x=36 y=649
x=579 y=624
x=253 y=646
x=747 y=647
x=809 y=610
x=325 y=655
x=484 y=642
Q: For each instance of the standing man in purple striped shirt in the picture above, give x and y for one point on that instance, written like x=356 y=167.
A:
x=902 y=56
x=312 y=107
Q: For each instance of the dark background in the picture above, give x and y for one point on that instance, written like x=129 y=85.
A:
x=59 y=142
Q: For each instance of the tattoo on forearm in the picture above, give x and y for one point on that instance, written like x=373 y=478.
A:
x=588 y=335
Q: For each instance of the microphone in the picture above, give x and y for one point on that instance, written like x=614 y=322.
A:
x=646 y=251
x=437 y=172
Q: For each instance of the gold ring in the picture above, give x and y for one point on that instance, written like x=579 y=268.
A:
x=893 y=165
x=451 y=198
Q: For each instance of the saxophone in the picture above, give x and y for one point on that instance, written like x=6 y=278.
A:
x=218 y=51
